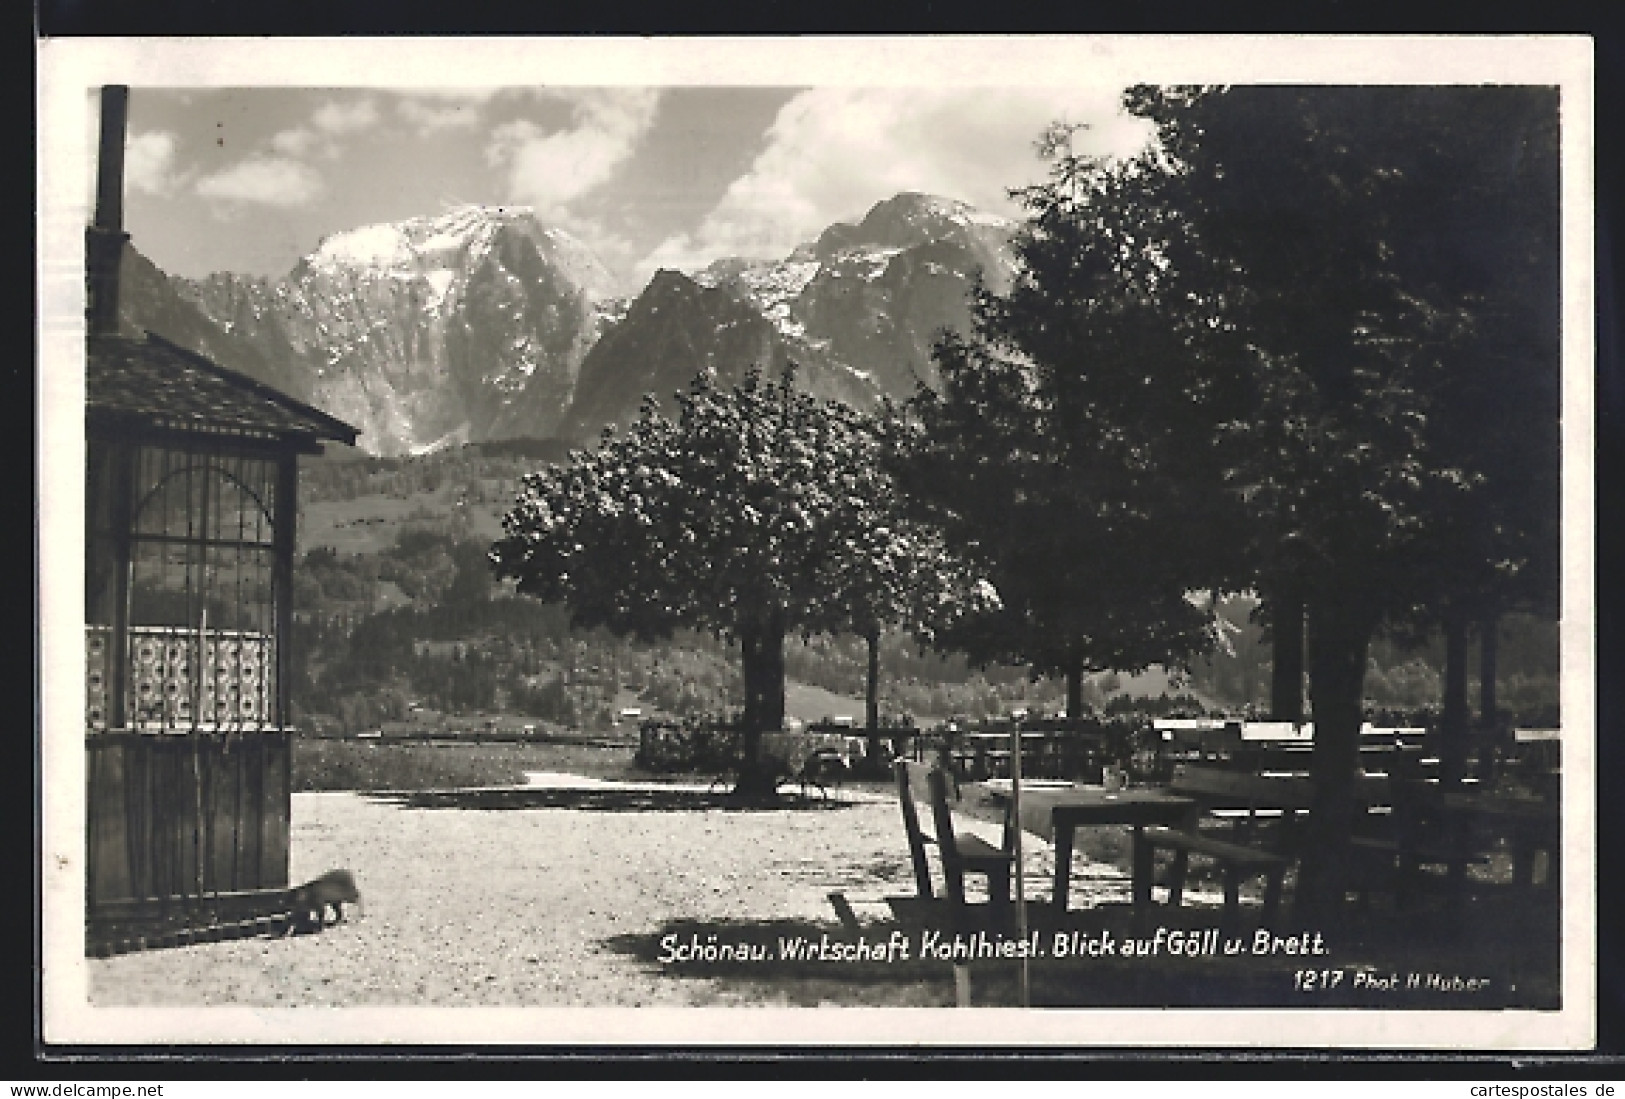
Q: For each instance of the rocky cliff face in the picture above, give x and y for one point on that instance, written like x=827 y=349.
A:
x=149 y=301
x=679 y=328
x=481 y=323
x=857 y=310
x=463 y=327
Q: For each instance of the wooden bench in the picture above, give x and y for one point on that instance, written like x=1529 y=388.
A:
x=959 y=854
x=1251 y=805
x=1422 y=832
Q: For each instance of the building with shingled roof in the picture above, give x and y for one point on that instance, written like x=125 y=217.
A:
x=191 y=494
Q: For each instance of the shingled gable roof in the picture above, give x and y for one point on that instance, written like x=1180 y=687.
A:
x=152 y=382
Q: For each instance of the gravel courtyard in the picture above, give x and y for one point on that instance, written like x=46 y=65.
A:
x=565 y=891
x=529 y=896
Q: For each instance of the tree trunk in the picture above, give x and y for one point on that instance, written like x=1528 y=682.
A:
x=871 y=695
x=761 y=647
x=1488 y=659
x=1074 y=686
x=1453 y=718
x=1341 y=625
x=1286 y=636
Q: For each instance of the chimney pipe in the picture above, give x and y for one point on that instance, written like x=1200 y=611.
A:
x=105 y=237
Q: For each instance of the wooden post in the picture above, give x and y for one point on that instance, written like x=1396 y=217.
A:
x=276 y=800
x=125 y=459
x=1015 y=839
x=287 y=512
x=871 y=696
x=1488 y=670
x=1286 y=677
x=1453 y=715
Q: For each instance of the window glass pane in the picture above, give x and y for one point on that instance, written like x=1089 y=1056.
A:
x=100 y=586
x=201 y=602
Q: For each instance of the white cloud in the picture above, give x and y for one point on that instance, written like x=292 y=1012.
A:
x=834 y=152
x=612 y=249
x=473 y=96
x=338 y=118
x=149 y=162
x=430 y=110
x=428 y=118
x=549 y=170
x=301 y=141
x=329 y=122
x=265 y=181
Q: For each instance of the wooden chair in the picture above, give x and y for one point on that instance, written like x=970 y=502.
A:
x=917 y=838
x=959 y=854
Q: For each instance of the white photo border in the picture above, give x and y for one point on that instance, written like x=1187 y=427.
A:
x=71 y=69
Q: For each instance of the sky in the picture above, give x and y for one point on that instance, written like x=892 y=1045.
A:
x=247 y=180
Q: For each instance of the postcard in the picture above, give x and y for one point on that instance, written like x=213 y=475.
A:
x=787 y=542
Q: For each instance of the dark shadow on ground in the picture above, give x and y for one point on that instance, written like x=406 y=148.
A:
x=1370 y=960
x=606 y=799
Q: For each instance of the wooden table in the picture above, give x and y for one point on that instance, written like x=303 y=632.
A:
x=1528 y=824
x=987 y=753
x=1056 y=812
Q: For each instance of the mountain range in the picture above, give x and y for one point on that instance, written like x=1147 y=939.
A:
x=483 y=323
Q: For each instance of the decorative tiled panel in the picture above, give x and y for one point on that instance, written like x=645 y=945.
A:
x=236 y=686
x=98 y=676
x=160 y=678
x=235 y=689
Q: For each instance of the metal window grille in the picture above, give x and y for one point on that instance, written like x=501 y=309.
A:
x=199 y=647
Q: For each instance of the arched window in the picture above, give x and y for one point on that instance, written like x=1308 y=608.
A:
x=201 y=588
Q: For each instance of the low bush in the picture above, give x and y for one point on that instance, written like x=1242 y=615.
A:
x=381 y=765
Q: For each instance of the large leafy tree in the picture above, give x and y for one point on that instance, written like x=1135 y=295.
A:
x=1486 y=243
x=1388 y=256
x=888 y=569
x=1063 y=446
x=758 y=510
x=1313 y=330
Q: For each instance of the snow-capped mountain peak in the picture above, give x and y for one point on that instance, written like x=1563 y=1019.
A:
x=481 y=322
x=377 y=246
x=417 y=245
x=466 y=324
x=858 y=310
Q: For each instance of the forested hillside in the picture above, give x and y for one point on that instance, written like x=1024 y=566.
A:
x=399 y=618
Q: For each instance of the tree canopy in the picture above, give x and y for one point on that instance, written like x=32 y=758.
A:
x=757 y=511
x=1391 y=259
x=1307 y=340
x=1064 y=445
x=1388 y=258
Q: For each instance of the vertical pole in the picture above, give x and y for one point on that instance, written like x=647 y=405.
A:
x=287 y=510
x=871 y=695
x=198 y=851
x=1021 y=882
x=274 y=863
x=105 y=237
x=1453 y=715
x=1488 y=669
x=125 y=461
x=1287 y=632
x=198 y=672
x=196 y=735
x=109 y=213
